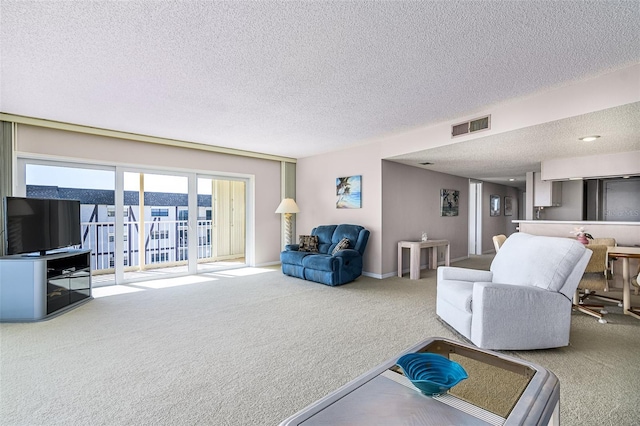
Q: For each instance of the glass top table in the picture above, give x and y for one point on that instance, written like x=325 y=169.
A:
x=500 y=390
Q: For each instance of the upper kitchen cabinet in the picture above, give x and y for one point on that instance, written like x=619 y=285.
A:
x=546 y=193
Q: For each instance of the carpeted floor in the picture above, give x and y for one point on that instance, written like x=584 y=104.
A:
x=252 y=347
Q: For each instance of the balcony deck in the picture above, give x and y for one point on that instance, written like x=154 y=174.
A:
x=104 y=279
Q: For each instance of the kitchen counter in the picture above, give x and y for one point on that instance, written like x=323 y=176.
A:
x=625 y=233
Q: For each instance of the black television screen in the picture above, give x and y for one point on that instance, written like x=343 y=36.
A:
x=38 y=225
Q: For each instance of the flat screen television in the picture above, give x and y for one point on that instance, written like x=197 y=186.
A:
x=37 y=225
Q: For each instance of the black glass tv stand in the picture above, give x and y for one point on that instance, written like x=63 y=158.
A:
x=35 y=288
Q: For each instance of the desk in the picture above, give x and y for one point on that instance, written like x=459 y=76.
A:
x=415 y=250
x=626 y=253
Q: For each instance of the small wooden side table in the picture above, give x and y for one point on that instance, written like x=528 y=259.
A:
x=626 y=253
x=415 y=248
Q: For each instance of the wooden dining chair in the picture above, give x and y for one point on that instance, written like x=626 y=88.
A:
x=498 y=240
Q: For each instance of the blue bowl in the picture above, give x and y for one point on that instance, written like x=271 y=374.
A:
x=433 y=374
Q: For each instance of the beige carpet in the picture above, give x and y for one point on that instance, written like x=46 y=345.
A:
x=252 y=347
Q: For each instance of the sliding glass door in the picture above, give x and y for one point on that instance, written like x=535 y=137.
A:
x=95 y=188
x=221 y=223
x=139 y=224
x=157 y=227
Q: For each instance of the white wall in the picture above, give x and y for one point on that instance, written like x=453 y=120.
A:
x=316 y=175
x=398 y=203
x=316 y=196
x=572 y=200
x=411 y=204
x=496 y=225
x=49 y=143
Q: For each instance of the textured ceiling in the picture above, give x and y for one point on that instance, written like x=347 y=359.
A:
x=296 y=78
x=510 y=155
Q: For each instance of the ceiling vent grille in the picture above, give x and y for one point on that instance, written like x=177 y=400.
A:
x=477 y=125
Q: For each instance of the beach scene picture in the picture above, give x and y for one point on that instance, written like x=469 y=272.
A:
x=348 y=192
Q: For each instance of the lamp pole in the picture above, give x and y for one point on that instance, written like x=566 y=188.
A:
x=287 y=207
x=287 y=228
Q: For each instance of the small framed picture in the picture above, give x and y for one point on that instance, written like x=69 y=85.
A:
x=508 y=206
x=449 y=202
x=494 y=205
x=349 y=192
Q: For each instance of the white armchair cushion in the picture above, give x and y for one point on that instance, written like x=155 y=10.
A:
x=463 y=274
x=543 y=262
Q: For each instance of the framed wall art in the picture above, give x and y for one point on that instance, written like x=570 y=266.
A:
x=508 y=206
x=449 y=202
x=349 y=192
x=494 y=205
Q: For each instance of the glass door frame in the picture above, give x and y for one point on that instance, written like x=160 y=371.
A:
x=20 y=188
x=249 y=208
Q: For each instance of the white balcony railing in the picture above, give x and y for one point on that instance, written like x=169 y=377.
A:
x=166 y=242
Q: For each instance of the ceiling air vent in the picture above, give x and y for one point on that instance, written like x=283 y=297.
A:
x=482 y=123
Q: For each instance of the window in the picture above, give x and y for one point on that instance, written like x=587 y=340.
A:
x=112 y=237
x=183 y=215
x=204 y=213
x=182 y=254
x=111 y=211
x=160 y=212
x=159 y=257
x=160 y=235
x=205 y=240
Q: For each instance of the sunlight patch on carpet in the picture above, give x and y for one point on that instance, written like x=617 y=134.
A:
x=113 y=290
x=173 y=282
x=243 y=272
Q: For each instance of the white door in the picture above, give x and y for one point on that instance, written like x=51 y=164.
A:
x=475 y=217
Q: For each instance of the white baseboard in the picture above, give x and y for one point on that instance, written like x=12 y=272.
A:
x=372 y=275
x=425 y=266
x=390 y=274
x=267 y=264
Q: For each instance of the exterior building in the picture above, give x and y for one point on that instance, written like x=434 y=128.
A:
x=165 y=218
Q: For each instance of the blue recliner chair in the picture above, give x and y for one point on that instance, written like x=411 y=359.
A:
x=322 y=266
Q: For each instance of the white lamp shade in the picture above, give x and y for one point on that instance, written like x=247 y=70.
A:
x=288 y=205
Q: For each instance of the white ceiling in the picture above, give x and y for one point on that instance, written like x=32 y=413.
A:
x=300 y=78
x=510 y=155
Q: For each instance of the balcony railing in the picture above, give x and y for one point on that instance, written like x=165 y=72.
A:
x=166 y=243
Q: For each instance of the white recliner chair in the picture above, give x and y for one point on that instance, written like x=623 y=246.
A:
x=523 y=302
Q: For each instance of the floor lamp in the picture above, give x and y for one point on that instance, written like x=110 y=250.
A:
x=288 y=206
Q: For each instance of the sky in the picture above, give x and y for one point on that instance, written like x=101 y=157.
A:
x=69 y=177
